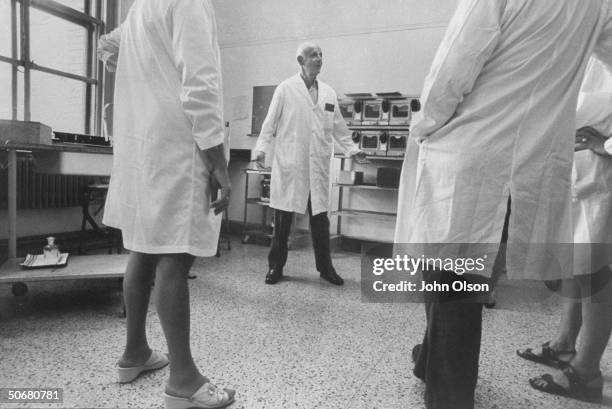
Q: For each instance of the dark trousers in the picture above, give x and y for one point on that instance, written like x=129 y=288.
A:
x=319 y=229
x=448 y=361
x=500 y=261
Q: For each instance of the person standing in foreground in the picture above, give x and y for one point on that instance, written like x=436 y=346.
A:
x=305 y=118
x=587 y=297
x=168 y=132
x=497 y=120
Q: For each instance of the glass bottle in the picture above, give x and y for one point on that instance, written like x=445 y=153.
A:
x=51 y=252
x=265 y=189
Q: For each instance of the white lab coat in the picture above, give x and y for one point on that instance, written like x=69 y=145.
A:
x=167 y=109
x=498 y=119
x=592 y=176
x=305 y=133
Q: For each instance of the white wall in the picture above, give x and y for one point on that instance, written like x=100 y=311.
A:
x=368 y=46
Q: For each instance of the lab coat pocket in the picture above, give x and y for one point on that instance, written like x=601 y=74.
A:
x=328 y=121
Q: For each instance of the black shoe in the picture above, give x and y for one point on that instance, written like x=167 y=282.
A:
x=416 y=351
x=332 y=277
x=417 y=371
x=491 y=301
x=274 y=275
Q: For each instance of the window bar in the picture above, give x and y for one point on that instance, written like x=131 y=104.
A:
x=87 y=80
x=112 y=21
x=14 y=89
x=25 y=56
x=98 y=73
x=64 y=12
x=10 y=60
x=88 y=71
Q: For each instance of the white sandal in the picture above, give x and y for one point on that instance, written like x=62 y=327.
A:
x=156 y=361
x=208 y=396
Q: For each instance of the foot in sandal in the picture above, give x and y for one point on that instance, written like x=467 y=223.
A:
x=127 y=372
x=547 y=355
x=209 y=396
x=571 y=384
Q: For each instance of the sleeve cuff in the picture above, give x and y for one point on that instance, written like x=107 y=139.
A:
x=208 y=142
x=354 y=150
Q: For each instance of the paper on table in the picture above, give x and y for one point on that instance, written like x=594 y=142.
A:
x=38 y=260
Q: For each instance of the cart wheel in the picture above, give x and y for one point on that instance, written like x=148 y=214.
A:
x=553 y=285
x=19 y=289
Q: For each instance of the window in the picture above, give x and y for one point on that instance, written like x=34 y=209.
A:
x=48 y=67
x=5 y=23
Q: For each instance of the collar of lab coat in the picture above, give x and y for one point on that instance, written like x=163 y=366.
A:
x=301 y=86
x=315 y=83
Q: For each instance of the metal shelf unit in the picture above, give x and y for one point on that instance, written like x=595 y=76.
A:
x=349 y=212
x=261 y=231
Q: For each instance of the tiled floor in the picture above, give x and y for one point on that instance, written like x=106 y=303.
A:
x=302 y=343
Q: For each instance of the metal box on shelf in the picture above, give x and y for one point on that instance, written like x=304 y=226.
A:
x=397 y=143
x=372 y=112
x=347 y=109
x=25 y=132
x=374 y=142
x=388 y=177
x=350 y=177
x=400 y=112
x=369 y=142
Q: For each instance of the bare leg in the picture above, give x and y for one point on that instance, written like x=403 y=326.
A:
x=571 y=318
x=172 y=301
x=596 y=321
x=596 y=326
x=136 y=292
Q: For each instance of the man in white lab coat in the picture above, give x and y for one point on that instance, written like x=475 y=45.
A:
x=305 y=119
x=168 y=145
x=497 y=121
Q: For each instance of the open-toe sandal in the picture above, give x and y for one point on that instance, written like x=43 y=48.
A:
x=209 y=396
x=579 y=388
x=156 y=361
x=548 y=357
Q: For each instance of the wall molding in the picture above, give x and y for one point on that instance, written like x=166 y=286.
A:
x=324 y=36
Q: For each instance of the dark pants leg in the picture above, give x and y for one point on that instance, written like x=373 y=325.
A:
x=282 y=227
x=448 y=361
x=500 y=261
x=319 y=229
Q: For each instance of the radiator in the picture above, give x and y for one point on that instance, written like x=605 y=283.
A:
x=40 y=191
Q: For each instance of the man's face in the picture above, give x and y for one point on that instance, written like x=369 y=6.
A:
x=312 y=61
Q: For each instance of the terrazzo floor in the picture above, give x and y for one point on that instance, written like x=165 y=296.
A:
x=300 y=344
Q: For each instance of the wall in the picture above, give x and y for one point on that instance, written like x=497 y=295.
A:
x=368 y=46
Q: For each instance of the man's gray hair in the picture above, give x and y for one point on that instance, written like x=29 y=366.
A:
x=301 y=50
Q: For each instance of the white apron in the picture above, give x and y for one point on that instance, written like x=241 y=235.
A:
x=167 y=109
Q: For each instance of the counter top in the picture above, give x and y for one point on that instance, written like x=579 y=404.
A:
x=57 y=146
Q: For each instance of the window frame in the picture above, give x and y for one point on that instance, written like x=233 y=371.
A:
x=90 y=19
